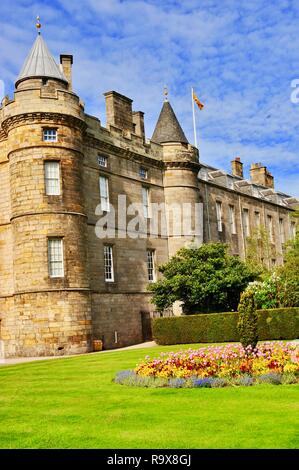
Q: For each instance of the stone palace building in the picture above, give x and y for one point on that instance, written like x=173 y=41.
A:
x=61 y=284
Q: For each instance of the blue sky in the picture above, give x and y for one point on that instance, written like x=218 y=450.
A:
x=240 y=56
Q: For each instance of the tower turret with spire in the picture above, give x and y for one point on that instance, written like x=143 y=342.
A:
x=180 y=174
x=44 y=126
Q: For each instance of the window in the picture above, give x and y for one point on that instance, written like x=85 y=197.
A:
x=281 y=231
x=293 y=229
x=219 y=215
x=52 y=178
x=102 y=160
x=50 y=135
x=257 y=217
x=55 y=257
x=145 y=202
x=104 y=193
x=246 y=228
x=151 y=265
x=257 y=222
x=232 y=220
x=270 y=227
x=108 y=261
x=143 y=172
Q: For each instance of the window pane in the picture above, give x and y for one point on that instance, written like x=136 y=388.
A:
x=104 y=193
x=145 y=202
x=52 y=178
x=232 y=219
x=151 y=265
x=246 y=223
x=219 y=216
x=270 y=227
x=143 y=172
x=281 y=231
x=55 y=256
x=102 y=160
x=108 y=263
x=50 y=135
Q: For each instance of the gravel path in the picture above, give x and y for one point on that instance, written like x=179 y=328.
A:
x=20 y=360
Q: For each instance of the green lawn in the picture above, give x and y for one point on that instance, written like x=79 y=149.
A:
x=73 y=403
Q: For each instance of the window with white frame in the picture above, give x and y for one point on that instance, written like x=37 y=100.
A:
x=52 y=178
x=104 y=193
x=270 y=227
x=55 y=257
x=145 y=202
x=151 y=265
x=108 y=263
x=245 y=217
x=232 y=220
x=50 y=135
x=102 y=160
x=219 y=215
x=281 y=231
x=143 y=172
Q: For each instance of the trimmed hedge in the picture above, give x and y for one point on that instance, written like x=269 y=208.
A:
x=277 y=323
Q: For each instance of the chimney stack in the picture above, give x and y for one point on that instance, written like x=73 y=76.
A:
x=260 y=175
x=138 y=121
x=66 y=61
x=237 y=167
x=119 y=111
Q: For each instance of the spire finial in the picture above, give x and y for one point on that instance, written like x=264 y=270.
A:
x=38 y=24
x=165 y=92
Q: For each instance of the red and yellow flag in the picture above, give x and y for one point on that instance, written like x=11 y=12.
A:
x=199 y=104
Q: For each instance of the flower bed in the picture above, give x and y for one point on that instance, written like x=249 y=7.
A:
x=217 y=366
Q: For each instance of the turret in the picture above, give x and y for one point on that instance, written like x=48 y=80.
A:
x=180 y=181
x=44 y=127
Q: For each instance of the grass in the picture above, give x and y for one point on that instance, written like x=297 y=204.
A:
x=73 y=403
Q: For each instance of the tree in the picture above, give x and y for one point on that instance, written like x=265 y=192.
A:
x=247 y=323
x=289 y=274
x=205 y=279
x=259 y=250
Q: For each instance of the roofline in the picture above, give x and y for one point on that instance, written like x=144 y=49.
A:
x=41 y=77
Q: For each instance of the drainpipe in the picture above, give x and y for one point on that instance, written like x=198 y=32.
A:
x=208 y=211
x=242 y=230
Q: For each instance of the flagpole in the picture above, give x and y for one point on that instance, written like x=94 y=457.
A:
x=194 y=124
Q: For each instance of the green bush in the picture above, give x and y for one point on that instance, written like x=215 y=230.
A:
x=247 y=321
x=278 y=323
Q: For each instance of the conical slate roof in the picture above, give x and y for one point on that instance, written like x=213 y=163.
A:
x=168 y=128
x=40 y=63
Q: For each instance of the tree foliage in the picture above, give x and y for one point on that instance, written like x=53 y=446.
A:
x=247 y=323
x=259 y=250
x=289 y=274
x=205 y=279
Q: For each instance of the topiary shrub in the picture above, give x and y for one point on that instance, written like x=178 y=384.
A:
x=247 y=323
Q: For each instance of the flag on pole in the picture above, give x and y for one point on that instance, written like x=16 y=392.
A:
x=199 y=104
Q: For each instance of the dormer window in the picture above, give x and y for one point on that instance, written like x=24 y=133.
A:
x=50 y=135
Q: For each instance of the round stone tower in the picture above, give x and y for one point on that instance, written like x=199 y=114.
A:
x=44 y=125
x=181 y=190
